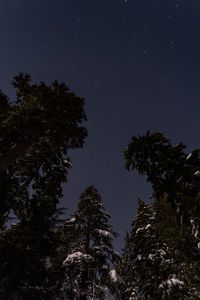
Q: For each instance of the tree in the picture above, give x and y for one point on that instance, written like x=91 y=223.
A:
x=178 y=237
x=181 y=245
x=175 y=179
x=90 y=259
x=36 y=133
x=123 y=268
x=147 y=268
x=171 y=171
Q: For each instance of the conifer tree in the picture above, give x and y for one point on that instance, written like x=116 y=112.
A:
x=178 y=237
x=123 y=268
x=176 y=188
x=172 y=172
x=181 y=245
x=36 y=132
x=147 y=267
x=90 y=260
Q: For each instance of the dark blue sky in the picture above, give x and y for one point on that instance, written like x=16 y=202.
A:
x=136 y=63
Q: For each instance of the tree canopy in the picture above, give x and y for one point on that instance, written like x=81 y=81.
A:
x=171 y=171
x=36 y=132
x=45 y=257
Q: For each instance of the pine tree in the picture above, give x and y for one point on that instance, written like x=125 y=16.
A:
x=147 y=267
x=181 y=245
x=170 y=170
x=123 y=269
x=36 y=133
x=176 y=188
x=90 y=260
x=178 y=237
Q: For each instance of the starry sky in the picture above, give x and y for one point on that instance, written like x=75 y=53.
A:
x=136 y=63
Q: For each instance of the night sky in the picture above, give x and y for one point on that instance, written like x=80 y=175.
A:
x=136 y=63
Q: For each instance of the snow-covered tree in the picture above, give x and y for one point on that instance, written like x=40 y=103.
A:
x=181 y=244
x=90 y=259
x=146 y=267
x=175 y=179
x=171 y=171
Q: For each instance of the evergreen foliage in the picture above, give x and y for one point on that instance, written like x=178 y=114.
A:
x=43 y=259
x=178 y=236
x=181 y=245
x=171 y=171
x=146 y=266
x=36 y=132
x=90 y=259
x=176 y=189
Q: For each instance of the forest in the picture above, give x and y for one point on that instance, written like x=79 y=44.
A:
x=45 y=255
